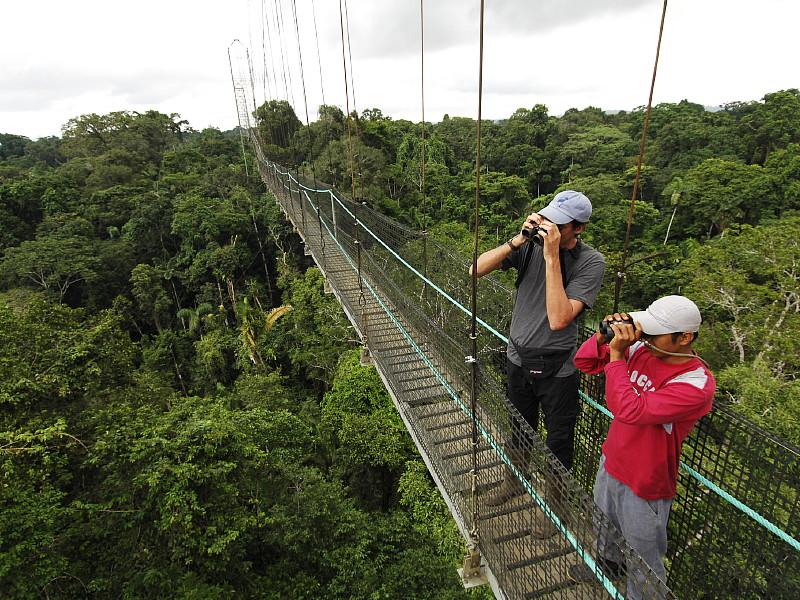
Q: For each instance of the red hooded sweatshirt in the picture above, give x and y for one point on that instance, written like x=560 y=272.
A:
x=655 y=405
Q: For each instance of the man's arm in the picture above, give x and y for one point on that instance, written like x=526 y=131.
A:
x=592 y=356
x=561 y=310
x=688 y=396
x=492 y=259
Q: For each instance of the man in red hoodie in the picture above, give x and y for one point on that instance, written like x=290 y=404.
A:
x=657 y=388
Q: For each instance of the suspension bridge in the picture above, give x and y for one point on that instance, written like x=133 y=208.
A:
x=733 y=530
x=406 y=295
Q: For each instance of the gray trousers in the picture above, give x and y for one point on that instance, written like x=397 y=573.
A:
x=643 y=524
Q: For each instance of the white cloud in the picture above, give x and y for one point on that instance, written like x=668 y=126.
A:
x=62 y=59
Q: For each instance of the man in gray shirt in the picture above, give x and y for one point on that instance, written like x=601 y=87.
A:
x=559 y=276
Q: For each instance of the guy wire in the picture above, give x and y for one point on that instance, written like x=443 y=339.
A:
x=422 y=149
x=645 y=126
x=267 y=85
x=319 y=58
x=279 y=4
x=350 y=151
x=474 y=298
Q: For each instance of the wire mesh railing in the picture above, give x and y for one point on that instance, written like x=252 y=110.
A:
x=737 y=511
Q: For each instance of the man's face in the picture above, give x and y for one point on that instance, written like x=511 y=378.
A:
x=568 y=234
x=670 y=342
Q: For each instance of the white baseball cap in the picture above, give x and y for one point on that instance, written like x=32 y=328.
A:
x=568 y=206
x=670 y=314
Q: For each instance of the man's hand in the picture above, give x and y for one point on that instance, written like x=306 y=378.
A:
x=625 y=335
x=526 y=232
x=552 y=238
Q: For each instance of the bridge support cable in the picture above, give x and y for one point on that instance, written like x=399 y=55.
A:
x=284 y=59
x=305 y=101
x=620 y=275
x=319 y=57
x=472 y=562
x=361 y=298
x=423 y=152
x=240 y=96
x=350 y=57
x=264 y=36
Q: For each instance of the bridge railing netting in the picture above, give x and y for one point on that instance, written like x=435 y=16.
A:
x=737 y=511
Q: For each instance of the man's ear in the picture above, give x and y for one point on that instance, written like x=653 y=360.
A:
x=686 y=339
x=580 y=228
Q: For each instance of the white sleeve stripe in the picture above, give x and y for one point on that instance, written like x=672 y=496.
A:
x=634 y=348
x=696 y=378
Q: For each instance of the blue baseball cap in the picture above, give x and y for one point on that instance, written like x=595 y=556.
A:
x=566 y=207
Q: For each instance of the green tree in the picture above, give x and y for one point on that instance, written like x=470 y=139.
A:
x=749 y=286
x=12 y=145
x=54 y=263
x=147 y=286
x=599 y=149
x=366 y=440
x=720 y=193
x=276 y=125
x=772 y=125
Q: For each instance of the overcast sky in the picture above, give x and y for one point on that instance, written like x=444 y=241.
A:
x=62 y=59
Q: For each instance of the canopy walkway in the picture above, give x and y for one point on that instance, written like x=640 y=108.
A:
x=405 y=295
x=735 y=522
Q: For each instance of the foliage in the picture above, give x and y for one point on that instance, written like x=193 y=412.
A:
x=182 y=411
x=749 y=287
x=366 y=441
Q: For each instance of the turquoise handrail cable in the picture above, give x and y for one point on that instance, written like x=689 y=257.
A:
x=710 y=485
x=758 y=518
x=771 y=527
x=406 y=264
x=587 y=558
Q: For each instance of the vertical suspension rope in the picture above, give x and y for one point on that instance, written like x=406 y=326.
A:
x=286 y=87
x=305 y=103
x=350 y=54
x=266 y=82
x=474 y=299
x=283 y=59
x=249 y=26
x=238 y=109
x=279 y=40
x=281 y=29
x=645 y=127
x=319 y=58
x=271 y=53
x=361 y=298
x=352 y=77
x=289 y=99
x=423 y=150
x=252 y=79
x=359 y=179
x=322 y=89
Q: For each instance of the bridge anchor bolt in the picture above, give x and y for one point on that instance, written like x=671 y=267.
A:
x=473 y=571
